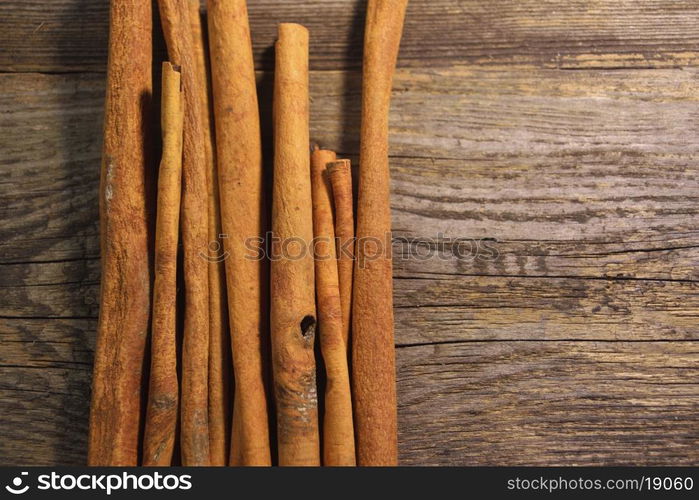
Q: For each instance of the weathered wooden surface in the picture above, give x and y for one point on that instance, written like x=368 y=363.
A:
x=542 y=403
x=70 y=35
x=561 y=330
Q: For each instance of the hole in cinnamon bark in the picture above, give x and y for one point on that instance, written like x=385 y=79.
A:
x=308 y=326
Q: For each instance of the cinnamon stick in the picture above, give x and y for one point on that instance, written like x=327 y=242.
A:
x=194 y=433
x=163 y=391
x=219 y=339
x=340 y=175
x=115 y=410
x=239 y=157
x=373 y=356
x=293 y=312
x=338 y=430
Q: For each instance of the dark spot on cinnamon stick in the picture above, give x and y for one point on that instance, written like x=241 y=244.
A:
x=308 y=326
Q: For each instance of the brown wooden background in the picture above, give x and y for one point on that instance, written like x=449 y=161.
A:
x=564 y=133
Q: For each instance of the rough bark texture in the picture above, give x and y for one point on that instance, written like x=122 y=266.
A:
x=340 y=176
x=163 y=387
x=194 y=433
x=373 y=357
x=115 y=410
x=293 y=313
x=338 y=428
x=220 y=375
x=239 y=156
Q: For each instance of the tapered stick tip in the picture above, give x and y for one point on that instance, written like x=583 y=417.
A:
x=292 y=30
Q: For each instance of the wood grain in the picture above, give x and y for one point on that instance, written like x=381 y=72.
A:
x=448 y=308
x=71 y=35
x=561 y=328
x=436 y=308
x=45 y=374
x=540 y=403
x=585 y=173
x=50 y=138
x=566 y=403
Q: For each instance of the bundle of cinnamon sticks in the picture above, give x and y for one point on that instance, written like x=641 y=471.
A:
x=214 y=297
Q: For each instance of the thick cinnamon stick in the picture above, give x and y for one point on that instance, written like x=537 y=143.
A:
x=163 y=391
x=338 y=430
x=373 y=356
x=239 y=157
x=115 y=410
x=219 y=339
x=340 y=175
x=293 y=313
x=194 y=434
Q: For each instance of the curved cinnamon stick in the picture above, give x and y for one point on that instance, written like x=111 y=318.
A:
x=163 y=391
x=219 y=339
x=292 y=281
x=239 y=157
x=373 y=356
x=194 y=433
x=338 y=430
x=115 y=410
x=340 y=175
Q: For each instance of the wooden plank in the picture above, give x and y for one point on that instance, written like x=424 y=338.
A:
x=579 y=188
x=84 y=271
x=433 y=308
x=45 y=411
x=50 y=136
x=499 y=403
x=38 y=342
x=66 y=344
x=542 y=403
x=62 y=289
x=45 y=374
x=43 y=426
x=71 y=35
x=585 y=173
x=447 y=308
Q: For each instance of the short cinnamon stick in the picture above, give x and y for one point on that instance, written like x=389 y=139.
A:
x=194 y=433
x=373 y=351
x=239 y=158
x=219 y=339
x=338 y=429
x=115 y=410
x=163 y=391
x=340 y=175
x=293 y=311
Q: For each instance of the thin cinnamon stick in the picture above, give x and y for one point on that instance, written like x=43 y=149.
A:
x=115 y=410
x=239 y=157
x=194 y=434
x=340 y=175
x=338 y=429
x=219 y=339
x=163 y=391
x=293 y=312
x=373 y=356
